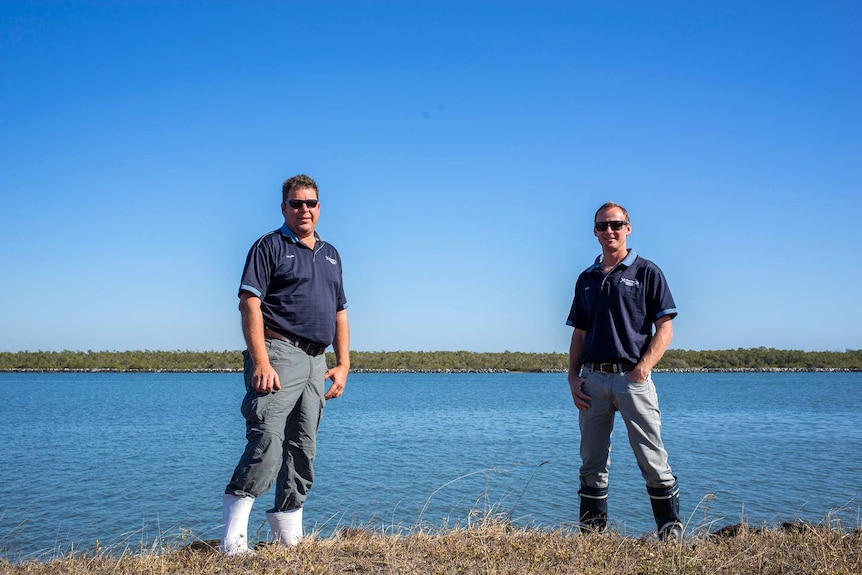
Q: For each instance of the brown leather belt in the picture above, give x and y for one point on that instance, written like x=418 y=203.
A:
x=306 y=346
x=621 y=367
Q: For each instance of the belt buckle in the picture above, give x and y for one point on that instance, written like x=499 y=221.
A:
x=609 y=367
x=309 y=348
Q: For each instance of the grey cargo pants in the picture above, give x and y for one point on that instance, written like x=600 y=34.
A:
x=281 y=428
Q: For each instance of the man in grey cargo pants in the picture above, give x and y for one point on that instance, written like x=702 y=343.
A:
x=293 y=307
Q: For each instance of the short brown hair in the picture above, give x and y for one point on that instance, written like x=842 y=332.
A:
x=298 y=181
x=608 y=205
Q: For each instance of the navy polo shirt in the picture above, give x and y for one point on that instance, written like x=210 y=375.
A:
x=618 y=310
x=300 y=289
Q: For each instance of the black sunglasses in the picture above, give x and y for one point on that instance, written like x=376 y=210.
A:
x=296 y=204
x=616 y=226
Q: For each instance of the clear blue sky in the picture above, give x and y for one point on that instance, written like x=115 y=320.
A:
x=461 y=149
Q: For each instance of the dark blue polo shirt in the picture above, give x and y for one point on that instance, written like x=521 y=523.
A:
x=300 y=289
x=618 y=310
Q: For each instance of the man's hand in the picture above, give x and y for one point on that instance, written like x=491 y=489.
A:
x=638 y=375
x=576 y=382
x=338 y=375
x=265 y=378
x=582 y=400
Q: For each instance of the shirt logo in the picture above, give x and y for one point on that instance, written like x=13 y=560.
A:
x=630 y=282
x=333 y=261
x=288 y=256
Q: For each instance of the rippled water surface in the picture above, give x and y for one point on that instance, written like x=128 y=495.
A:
x=125 y=460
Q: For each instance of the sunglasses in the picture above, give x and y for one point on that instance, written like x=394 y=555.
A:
x=615 y=226
x=297 y=204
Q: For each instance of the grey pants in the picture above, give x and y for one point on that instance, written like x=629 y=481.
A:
x=281 y=428
x=638 y=405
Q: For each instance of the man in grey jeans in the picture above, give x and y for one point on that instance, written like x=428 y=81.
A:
x=618 y=302
x=293 y=307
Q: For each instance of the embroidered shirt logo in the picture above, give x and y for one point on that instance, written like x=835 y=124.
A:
x=333 y=261
x=630 y=282
x=288 y=256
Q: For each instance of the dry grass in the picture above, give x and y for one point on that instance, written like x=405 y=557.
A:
x=496 y=548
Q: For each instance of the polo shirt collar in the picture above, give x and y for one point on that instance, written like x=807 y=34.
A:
x=288 y=233
x=627 y=261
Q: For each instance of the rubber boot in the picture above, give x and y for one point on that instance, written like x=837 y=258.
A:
x=286 y=526
x=665 y=509
x=235 y=512
x=594 y=508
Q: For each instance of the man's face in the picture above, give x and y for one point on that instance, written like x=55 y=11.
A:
x=611 y=239
x=302 y=219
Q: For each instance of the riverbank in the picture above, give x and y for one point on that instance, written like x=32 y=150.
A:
x=496 y=548
x=675 y=360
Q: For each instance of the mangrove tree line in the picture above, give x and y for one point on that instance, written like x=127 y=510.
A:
x=760 y=358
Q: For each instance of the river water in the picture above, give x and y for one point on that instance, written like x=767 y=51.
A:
x=122 y=461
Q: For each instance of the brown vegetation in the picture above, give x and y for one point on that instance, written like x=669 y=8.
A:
x=496 y=548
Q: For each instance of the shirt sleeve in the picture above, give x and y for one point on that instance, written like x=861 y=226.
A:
x=257 y=270
x=340 y=298
x=579 y=317
x=660 y=300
